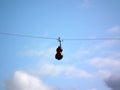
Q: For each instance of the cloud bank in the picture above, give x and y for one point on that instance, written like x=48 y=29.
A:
x=24 y=81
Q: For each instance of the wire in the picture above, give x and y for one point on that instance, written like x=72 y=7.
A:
x=77 y=39
x=92 y=39
x=24 y=35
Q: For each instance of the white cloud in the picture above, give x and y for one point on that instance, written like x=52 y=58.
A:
x=24 y=81
x=56 y=70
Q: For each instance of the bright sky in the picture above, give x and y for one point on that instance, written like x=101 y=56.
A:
x=29 y=64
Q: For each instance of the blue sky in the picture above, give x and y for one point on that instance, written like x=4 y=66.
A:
x=29 y=63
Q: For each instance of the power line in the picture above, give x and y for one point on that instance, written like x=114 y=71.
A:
x=66 y=39
x=24 y=35
x=92 y=39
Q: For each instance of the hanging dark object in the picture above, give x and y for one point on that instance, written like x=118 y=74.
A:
x=59 y=50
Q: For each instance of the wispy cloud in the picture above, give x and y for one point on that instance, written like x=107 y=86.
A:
x=103 y=74
x=37 y=52
x=56 y=70
x=114 y=30
x=86 y=4
x=105 y=63
x=81 y=52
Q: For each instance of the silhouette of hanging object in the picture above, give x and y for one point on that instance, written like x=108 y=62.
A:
x=59 y=55
x=59 y=50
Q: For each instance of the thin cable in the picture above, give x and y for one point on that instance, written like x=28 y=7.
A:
x=77 y=39
x=24 y=35
x=91 y=39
